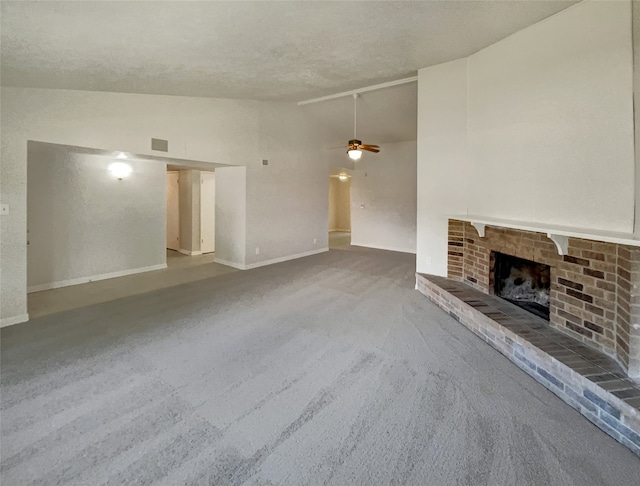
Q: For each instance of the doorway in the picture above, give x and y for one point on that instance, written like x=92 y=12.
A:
x=173 y=211
x=339 y=209
x=191 y=207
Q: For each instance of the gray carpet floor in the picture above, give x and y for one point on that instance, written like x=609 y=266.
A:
x=330 y=369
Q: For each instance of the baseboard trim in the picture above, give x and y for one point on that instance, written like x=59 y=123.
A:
x=190 y=253
x=10 y=321
x=241 y=266
x=382 y=247
x=286 y=258
x=93 y=278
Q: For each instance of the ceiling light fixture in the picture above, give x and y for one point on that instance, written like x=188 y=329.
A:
x=354 y=153
x=355 y=146
x=120 y=170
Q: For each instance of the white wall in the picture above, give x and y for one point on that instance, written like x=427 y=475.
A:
x=231 y=216
x=383 y=198
x=207 y=211
x=542 y=129
x=287 y=200
x=550 y=121
x=84 y=223
x=442 y=159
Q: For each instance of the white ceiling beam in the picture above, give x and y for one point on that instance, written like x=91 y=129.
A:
x=397 y=82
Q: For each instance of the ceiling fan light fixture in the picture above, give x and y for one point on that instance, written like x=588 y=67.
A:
x=355 y=154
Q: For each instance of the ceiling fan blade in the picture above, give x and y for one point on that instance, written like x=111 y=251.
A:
x=340 y=147
x=369 y=148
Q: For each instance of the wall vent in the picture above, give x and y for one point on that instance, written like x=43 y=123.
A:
x=159 y=145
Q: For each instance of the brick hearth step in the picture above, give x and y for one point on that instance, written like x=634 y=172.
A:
x=585 y=378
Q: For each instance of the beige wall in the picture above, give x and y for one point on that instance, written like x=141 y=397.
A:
x=339 y=204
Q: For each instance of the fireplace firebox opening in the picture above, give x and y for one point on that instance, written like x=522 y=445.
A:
x=523 y=283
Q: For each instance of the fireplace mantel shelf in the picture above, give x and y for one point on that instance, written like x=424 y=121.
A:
x=558 y=234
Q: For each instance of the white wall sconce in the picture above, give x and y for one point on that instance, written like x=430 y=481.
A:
x=120 y=170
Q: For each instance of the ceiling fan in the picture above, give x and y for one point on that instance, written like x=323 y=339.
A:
x=355 y=146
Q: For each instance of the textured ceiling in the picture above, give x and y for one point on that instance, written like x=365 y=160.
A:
x=266 y=50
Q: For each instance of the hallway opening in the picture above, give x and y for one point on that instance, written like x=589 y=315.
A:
x=339 y=208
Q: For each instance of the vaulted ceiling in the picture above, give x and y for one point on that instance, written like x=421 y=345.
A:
x=287 y=51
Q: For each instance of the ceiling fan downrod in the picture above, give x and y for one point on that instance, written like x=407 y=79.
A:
x=354 y=151
x=355 y=114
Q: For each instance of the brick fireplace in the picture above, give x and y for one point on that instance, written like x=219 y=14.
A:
x=594 y=287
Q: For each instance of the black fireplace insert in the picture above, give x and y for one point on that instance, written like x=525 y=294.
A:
x=523 y=283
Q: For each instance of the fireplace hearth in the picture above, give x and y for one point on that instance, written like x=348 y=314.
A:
x=584 y=378
x=587 y=289
x=522 y=282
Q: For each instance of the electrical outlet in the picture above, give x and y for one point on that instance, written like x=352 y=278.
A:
x=257 y=250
